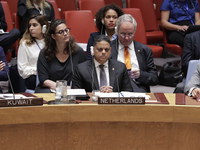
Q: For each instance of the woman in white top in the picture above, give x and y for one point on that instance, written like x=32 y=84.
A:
x=30 y=46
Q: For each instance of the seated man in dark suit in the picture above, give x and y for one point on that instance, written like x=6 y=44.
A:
x=3 y=67
x=137 y=57
x=193 y=86
x=101 y=73
x=8 y=39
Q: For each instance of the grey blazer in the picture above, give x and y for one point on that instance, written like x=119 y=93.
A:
x=194 y=81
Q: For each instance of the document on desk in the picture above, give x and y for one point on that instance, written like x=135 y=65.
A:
x=76 y=92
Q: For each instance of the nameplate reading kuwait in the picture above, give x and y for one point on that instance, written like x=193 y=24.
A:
x=121 y=100
x=21 y=102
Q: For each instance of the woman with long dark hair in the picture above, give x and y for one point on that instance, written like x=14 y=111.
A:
x=59 y=58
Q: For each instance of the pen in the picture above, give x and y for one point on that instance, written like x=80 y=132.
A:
x=70 y=84
x=121 y=94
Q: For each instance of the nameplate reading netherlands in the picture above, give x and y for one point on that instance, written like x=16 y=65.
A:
x=21 y=102
x=121 y=100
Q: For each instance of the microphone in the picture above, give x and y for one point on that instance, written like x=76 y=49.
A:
x=117 y=82
x=71 y=61
x=9 y=82
x=92 y=53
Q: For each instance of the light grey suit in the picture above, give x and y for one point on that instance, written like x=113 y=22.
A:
x=194 y=81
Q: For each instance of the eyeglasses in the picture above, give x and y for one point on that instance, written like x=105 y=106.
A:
x=101 y=49
x=129 y=35
x=61 y=32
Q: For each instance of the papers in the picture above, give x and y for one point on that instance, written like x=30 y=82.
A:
x=10 y=96
x=2 y=32
x=73 y=91
x=76 y=92
x=133 y=94
x=114 y=94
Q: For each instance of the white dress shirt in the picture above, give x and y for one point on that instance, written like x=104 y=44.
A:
x=27 y=58
x=105 y=69
x=133 y=57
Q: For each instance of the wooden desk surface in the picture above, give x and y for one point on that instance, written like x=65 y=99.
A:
x=91 y=126
x=94 y=112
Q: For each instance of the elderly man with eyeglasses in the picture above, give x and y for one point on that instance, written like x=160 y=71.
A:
x=101 y=73
x=137 y=57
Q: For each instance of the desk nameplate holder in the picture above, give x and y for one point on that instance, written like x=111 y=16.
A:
x=29 y=101
x=122 y=100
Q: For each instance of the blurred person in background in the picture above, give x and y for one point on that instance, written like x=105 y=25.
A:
x=3 y=67
x=30 y=46
x=7 y=39
x=27 y=8
x=176 y=16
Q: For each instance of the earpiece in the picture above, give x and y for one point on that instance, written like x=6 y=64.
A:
x=44 y=29
x=115 y=30
x=92 y=50
x=102 y=21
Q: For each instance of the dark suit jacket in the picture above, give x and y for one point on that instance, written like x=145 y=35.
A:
x=24 y=14
x=85 y=77
x=3 y=24
x=90 y=43
x=148 y=71
x=3 y=74
x=191 y=49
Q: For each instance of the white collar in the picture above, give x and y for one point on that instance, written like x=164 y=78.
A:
x=130 y=47
x=114 y=36
x=97 y=63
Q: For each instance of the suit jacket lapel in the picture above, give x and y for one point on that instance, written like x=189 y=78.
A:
x=138 y=49
x=114 y=50
x=91 y=69
x=112 y=74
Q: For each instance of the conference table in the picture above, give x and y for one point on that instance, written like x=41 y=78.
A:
x=89 y=126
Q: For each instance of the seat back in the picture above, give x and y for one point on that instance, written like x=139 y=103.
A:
x=81 y=23
x=158 y=4
x=65 y=5
x=8 y=16
x=191 y=69
x=13 y=5
x=148 y=12
x=140 y=34
x=93 y=5
x=172 y=48
x=116 y=2
x=55 y=7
